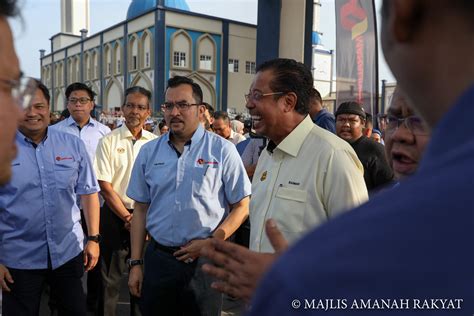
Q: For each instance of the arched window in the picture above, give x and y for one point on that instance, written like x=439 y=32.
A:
x=133 y=53
x=108 y=60
x=181 y=50
x=95 y=65
x=206 y=53
x=146 y=50
x=87 y=67
x=118 y=58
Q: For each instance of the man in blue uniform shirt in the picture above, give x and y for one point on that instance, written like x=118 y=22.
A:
x=413 y=243
x=40 y=229
x=190 y=186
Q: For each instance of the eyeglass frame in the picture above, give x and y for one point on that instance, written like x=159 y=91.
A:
x=79 y=99
x=408 y=126
x=342 y=120
x=22 y=90
x=179 y=107
x=251 y=95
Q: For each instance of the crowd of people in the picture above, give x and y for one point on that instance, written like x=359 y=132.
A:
x=202 y=209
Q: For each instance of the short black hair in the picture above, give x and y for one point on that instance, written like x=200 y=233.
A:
x=162 y=124
x=140 y=90
x=316 y=96
x=291 y=76
x=221 y=115
x=368 y=119
x=210 y=108
x=179 y=80
x=43 y=89
x=8 y=8
x=76 y=86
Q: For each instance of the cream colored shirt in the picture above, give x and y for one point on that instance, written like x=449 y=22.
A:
x=235 y=138
x=114 y=159
x=312 y=176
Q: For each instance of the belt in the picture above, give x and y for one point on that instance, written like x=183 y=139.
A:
x=167 y=249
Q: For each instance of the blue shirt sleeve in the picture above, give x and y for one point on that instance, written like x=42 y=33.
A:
x=87 y=181
x=236 y=182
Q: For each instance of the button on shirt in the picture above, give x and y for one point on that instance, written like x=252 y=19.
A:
x=90 y=133
x=189 y=194
x=114 y=159
x=38 y=213
x=310 y=177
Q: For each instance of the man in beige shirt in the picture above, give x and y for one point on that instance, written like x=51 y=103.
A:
x=304 y=177
x=113 y=163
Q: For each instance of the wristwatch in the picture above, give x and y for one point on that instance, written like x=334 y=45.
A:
x=97 y=238
x=134 y=262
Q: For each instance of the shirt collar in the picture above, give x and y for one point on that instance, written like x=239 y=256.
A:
x=292 y=143
x=23 y=139
x=70 y=121
x=198 y=134
x=125 y=133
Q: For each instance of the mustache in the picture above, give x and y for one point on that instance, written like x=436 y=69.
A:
x=175 y=120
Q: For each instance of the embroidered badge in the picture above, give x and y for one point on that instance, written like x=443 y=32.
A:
x=201 y=161
x=120 y=150
x=264 y=176
x=63 y=158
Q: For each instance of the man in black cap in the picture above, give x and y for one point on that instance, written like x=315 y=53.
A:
x=350 y=121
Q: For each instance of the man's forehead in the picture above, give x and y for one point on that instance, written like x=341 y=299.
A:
x=261 y=80
x=80 y=92
x=183 y=92
x=347 y=115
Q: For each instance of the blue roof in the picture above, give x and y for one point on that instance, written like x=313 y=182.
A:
x=138 y=7
x=316 y=38
x=177 y=4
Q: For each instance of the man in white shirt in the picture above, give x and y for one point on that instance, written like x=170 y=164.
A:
x=221 y=127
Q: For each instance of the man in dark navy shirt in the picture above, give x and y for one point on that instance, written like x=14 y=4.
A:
x=413 y=244
x=320 y=116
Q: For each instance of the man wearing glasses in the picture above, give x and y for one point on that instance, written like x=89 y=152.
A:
x=40 y=230
x=113 y=164
x=190 y=186
x=350 y=121
x=80 y=103
x=305 y=176
x=406 y=136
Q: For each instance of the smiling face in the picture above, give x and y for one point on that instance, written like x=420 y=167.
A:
x=404 y=149
x=9 y=111
x=267 y=112
x=35 y=118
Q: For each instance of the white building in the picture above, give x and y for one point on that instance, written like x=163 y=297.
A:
x=157 y=40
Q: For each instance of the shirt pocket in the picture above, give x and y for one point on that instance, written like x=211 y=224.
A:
x=66 y=174
x=205 y=181
x=289 y=209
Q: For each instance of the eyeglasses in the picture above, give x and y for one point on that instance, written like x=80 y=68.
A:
x=181 y=106
x=140 y=107
x=343 y=120
x=257 y=96
x=22 y=90
x=83 y=100
x=413 y=123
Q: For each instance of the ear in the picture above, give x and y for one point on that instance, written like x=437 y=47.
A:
x=290 y=100
x=405 y=18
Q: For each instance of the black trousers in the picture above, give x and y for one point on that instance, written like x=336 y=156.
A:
x=174 y=288
x=66 y=289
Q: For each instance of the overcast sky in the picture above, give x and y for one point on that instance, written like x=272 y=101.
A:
x=41 y=19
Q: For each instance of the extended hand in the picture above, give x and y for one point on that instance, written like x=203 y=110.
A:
x=238 y=269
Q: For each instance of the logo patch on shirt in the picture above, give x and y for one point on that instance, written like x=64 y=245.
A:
x=120 y=150
x=264 y=176
x=201 y=161
x=58 y=158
